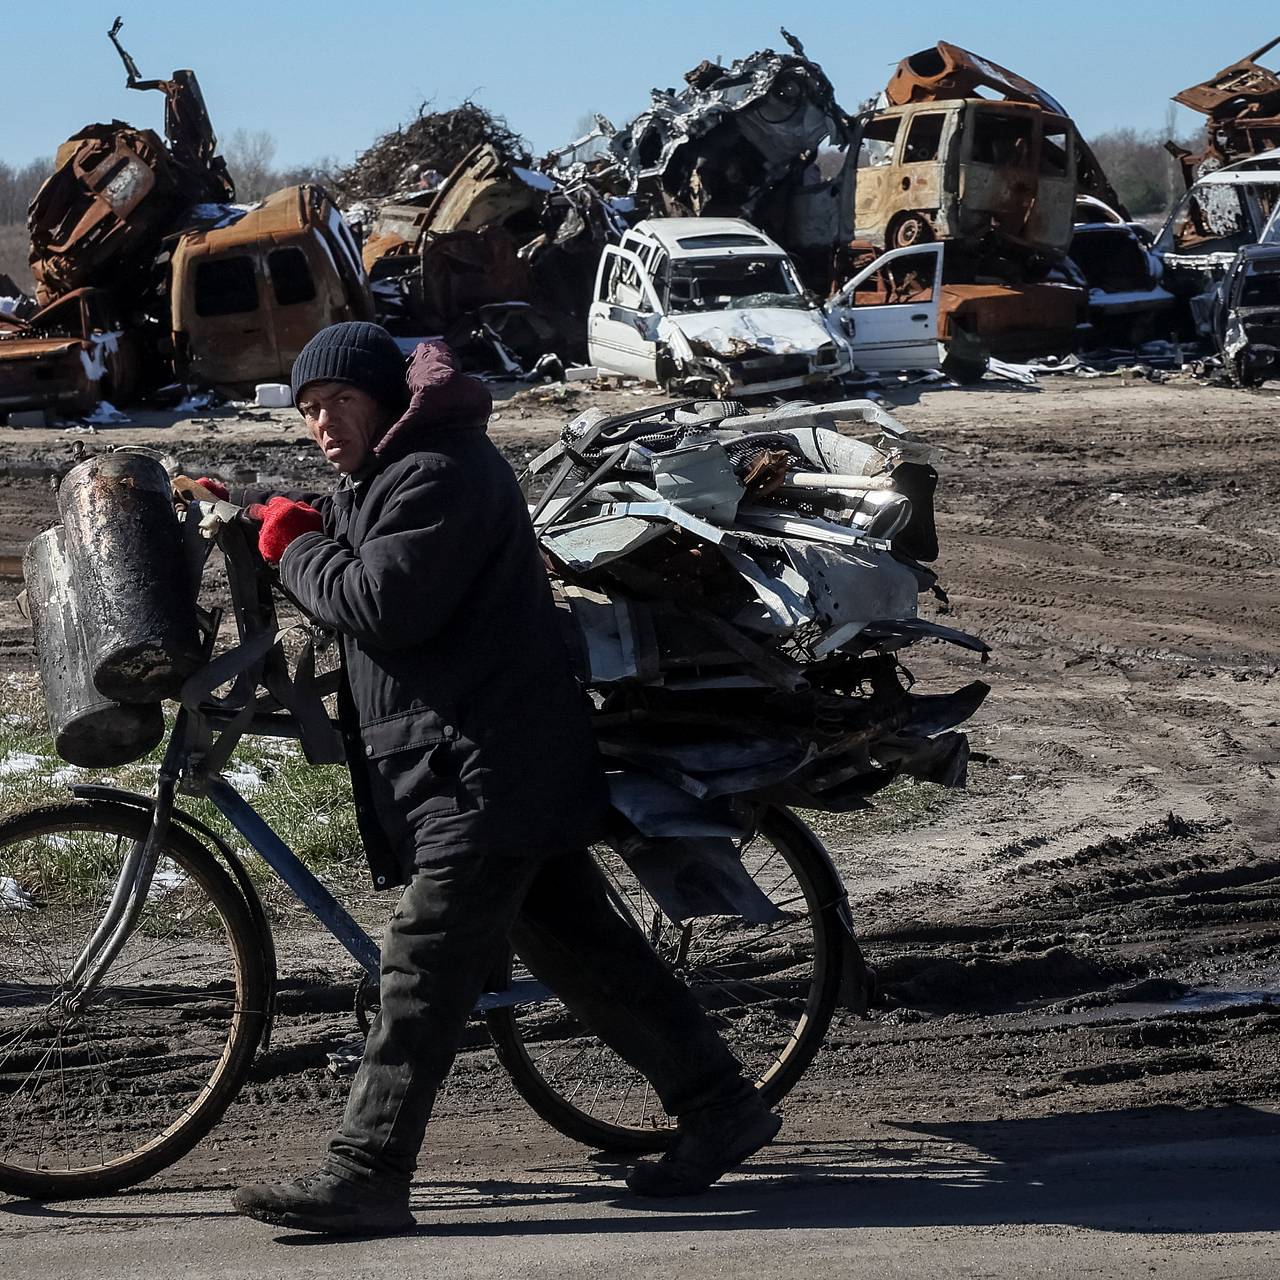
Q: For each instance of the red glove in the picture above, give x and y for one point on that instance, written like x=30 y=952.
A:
x=283 y=520
x=215 y=487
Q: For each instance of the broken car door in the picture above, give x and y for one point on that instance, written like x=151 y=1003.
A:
x=622 y=322
x=887 y=314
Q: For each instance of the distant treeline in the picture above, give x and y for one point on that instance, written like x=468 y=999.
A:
x=1144 y=174
x=18 y=184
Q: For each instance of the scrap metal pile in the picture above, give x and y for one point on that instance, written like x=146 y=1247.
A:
x=960 y=217
x=146 y=274
x=741 y=587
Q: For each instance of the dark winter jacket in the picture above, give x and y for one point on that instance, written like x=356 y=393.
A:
x=462 y=720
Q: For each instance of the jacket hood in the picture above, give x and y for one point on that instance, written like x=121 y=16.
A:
x=441 y=396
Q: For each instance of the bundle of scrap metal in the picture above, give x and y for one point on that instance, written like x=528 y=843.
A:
x=741 y=587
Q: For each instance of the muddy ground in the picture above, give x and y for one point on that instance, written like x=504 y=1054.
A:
x=1082 y=950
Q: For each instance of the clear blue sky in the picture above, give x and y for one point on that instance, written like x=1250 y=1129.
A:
x=326 y=77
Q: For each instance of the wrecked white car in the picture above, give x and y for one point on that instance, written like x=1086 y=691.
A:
x=712 y=305
x=1226 y=211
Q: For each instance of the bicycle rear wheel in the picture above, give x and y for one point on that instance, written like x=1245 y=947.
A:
x=769 y=989
x=105 y=1096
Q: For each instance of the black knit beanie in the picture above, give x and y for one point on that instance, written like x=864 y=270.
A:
x=363 y=354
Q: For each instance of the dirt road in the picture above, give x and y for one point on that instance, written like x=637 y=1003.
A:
x=1082 y=951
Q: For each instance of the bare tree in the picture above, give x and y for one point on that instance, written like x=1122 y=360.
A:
x=18 y=184
x=1140 y=169
x=248 y=156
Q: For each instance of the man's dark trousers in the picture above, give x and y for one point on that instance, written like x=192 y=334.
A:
x=442 y=945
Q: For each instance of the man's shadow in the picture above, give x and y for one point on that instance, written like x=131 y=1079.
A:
x=1148 y=1170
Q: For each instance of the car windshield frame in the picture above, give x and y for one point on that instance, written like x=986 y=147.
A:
x=681 y=284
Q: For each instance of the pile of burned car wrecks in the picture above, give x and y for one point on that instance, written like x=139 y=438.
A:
x=739 y=589
x=147 y=274
x=743 y=235
x=1220 y=250
x=963 y=152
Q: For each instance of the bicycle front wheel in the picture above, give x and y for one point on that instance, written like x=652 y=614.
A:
x=97 y=1097
x=769 y=989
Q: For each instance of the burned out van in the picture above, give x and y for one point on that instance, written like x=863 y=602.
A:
x=997 y=174
x=246 y=297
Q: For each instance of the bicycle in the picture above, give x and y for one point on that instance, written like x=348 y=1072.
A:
x=138 y=964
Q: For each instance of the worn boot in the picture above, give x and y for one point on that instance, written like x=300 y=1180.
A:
x=328 y=1202
x=708 y=1144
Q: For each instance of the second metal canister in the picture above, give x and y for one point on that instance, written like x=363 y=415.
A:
x=136 y=600
x=88 y=729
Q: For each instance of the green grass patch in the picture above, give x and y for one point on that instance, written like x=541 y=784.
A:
x=308 y=806
x=904 y=805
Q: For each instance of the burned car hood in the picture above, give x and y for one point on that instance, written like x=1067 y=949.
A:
x=779 y=331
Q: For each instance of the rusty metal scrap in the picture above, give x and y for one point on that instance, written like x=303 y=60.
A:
x=113 y=194
x=1242 y=102
x=117 y=191
x=738 y=588
x=68 y=356
x=130 y=225
x=187 y=128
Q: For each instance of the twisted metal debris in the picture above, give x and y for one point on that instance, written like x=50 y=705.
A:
x=741 y=588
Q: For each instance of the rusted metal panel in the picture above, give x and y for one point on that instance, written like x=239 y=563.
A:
x=47 y=373
x=486 y=190
x=1241 y=86
x=1242 y=102
x=948 y=71
x=1026 y=319
x=67 y=356
x=88 y=729
x=136 y=597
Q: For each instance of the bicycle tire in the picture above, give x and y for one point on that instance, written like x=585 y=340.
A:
x=535 y=1043
x=154 y=1059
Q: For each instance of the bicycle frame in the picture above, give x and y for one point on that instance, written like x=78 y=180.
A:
x=202 y=741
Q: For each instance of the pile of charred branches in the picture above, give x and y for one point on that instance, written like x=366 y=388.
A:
x=433 y=143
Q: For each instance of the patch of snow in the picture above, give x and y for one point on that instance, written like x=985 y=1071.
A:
x=18 y=763
x=221 y=215
x=14 y=896
x=245 y=778
x=104 y=414
x=95 y=365
x=194 y=402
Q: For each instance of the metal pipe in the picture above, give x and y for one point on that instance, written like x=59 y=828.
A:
x=843 y=483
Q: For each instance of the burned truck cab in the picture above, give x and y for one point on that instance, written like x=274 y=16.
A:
x=246 y=297
x=969 y=170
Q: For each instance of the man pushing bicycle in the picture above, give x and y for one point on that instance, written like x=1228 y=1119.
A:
x=476 y=780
